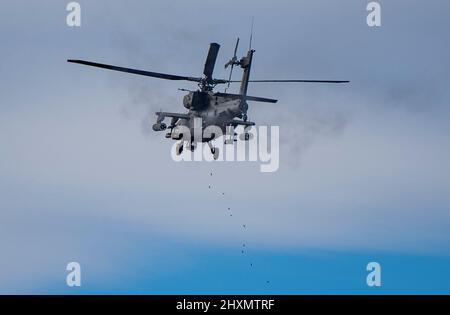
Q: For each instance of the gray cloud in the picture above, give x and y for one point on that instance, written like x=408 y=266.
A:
x=373 y=154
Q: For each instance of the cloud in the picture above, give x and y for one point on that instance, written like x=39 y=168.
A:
x=373 y=155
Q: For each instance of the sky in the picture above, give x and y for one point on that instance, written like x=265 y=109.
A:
x=363 y=171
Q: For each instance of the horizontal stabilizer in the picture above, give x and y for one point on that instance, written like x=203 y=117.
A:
x=235 y=123
x=246 y=97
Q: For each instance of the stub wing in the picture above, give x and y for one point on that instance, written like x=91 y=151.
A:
x=162 y=115
x=235 y=123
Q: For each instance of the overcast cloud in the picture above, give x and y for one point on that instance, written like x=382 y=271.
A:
x=363 y=166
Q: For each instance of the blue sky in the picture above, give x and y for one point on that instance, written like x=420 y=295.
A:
x=363 y=174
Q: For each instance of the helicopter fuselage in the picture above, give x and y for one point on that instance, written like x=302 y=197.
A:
x=209 y=110
x=212 y=109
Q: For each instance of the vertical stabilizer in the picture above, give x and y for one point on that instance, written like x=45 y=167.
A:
x=246 y=64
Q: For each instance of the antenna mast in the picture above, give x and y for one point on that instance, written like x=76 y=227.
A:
x=251 y=34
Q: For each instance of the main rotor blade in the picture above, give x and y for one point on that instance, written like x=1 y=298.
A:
x=135 y=71
x=236 y=47
x=211 y=60
x=246 y=97
x=293 y=81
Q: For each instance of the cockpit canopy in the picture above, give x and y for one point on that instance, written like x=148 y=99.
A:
x=196 y=100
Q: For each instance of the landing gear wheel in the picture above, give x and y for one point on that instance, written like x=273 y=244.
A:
x=192 y=146
x=179 y=148
x=245 y=136
x=215 y=153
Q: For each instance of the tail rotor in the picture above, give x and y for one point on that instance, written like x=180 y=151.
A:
x=232 y=62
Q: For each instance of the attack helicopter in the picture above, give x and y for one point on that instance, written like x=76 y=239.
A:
x=220 y=109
